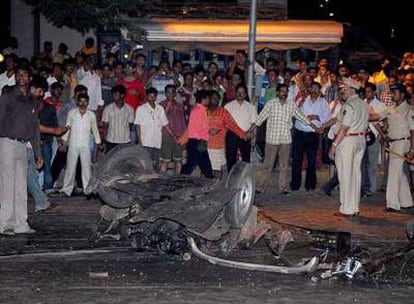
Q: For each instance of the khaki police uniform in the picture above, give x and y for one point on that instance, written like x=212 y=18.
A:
x=399 y=125
x=350 y=151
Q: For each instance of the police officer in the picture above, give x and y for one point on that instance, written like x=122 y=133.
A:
x=401 y=140
x=370 y=161
x=348 y=148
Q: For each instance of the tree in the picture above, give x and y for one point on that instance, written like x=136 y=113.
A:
x=84 y=15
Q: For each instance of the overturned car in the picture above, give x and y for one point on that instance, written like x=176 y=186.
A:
x=180 y=214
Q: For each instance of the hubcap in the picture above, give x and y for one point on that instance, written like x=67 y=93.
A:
x=246 y=196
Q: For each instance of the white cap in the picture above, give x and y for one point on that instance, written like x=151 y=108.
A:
x=351 y=83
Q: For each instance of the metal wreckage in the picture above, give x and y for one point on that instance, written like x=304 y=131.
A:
x=184 y=216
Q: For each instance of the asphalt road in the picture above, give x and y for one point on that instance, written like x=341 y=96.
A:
x=60 y=264
x=128 y=277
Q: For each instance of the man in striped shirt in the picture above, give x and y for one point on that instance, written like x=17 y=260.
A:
x=279 y=113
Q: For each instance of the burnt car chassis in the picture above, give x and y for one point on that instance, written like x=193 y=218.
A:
x=182 y=215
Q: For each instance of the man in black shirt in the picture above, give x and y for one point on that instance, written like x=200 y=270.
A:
x=18 y=126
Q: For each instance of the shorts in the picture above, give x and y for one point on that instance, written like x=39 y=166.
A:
x=170 y=150
x=217 y=158
x=154 y=154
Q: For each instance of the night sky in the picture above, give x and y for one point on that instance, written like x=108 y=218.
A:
x=374 y=18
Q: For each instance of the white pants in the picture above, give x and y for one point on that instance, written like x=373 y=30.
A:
x=348 y=160
x=398 y=189
x=13 y=185
x=72 y=159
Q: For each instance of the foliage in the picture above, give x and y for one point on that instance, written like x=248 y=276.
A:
x=85 y=15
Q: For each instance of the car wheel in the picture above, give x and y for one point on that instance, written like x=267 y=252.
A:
x=410 y=230
x=127 y=161
x=238 y=209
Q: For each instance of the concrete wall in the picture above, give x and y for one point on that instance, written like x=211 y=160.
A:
x=73 y=39
x=22 y=27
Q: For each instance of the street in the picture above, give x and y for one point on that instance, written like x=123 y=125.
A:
x=60 y=264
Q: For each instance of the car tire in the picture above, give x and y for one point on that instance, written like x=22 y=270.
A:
x=410 y=230
x=125 y=160
x=238 y=209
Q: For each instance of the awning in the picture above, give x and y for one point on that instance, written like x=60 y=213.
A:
x=226 y=36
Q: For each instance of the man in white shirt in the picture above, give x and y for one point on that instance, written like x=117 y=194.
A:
x=306 y=140
x=150 y=118
x=82 y=123
x=118 y=119
x=7 y=78
x=245 y=115
x=90 y=79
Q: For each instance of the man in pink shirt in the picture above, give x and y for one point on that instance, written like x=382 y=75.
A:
x=198 y=132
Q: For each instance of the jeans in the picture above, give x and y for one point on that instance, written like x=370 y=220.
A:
x=133 y=135
x=40 y=198
x=47 y=153
x=369 y=168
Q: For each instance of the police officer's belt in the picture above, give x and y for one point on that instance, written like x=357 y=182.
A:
x=355 y=134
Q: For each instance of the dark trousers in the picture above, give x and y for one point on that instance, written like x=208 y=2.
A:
x=234 y=144
x=261 y=140
x=197 y=155
x=304 y=142
x=331 y=183
x=326 y=145
x=59 y=162
x=109 y=146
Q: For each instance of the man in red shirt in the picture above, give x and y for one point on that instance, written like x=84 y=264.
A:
x=198 y=134
x=135 y=92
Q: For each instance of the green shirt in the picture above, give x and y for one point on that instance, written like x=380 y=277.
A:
x=270 y=94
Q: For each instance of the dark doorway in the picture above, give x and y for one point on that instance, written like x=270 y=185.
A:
x=4 y=23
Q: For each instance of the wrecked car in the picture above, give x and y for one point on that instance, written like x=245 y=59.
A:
x=181 y=215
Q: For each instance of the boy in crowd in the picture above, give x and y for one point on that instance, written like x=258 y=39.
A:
x=171 y=151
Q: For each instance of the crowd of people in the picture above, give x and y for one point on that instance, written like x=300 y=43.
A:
x=59 y=114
